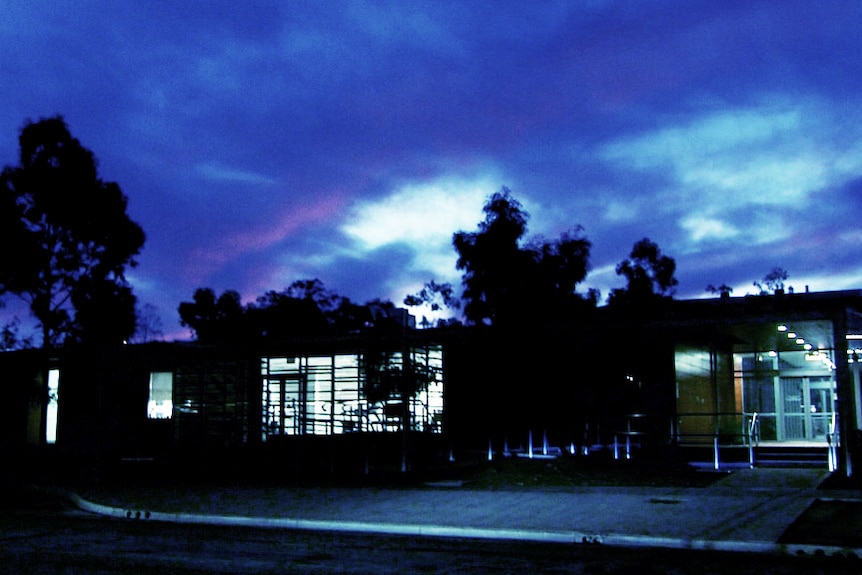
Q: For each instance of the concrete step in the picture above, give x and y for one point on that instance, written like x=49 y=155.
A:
x=796 y=456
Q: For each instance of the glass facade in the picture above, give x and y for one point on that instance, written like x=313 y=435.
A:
x=788 y=379
x=780 y=375
x=325 y=395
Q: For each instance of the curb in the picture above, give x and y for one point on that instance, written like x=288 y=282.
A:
x=527 y=535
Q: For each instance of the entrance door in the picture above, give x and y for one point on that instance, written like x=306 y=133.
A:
x=820 y=406
x=806 y=405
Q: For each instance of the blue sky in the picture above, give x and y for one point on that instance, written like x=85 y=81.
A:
x=264 y=142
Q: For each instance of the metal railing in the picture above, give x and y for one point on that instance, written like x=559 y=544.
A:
x=630 y=433
x=720 y=429
x=832 y=443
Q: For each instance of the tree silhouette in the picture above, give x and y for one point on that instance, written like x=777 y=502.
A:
x=558 y=267
x=214 y=320
x=391 y=373
x=494 y=265
x=314 y=291
x=436 y=296
x=293 y=312
x=305 y=308
x=148 y=325
x=66 y=238
x=773 y=282
x=507 y=284
x=723 y=290
x=105 y=312
x=649 y=275
x=10 y=337
x=524 y=293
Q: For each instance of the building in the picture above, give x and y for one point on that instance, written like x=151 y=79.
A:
x=188 y=402
x=724 y=380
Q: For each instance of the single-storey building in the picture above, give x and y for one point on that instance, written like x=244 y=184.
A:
x=723 y=380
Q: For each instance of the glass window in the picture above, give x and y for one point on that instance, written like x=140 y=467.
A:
x=53 y=405
x=161 y=402
x=323 y=395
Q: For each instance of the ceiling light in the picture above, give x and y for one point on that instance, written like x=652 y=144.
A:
x=800 y=340
x=782 y=327
x=791 y=334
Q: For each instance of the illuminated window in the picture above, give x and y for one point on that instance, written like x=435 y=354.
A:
x=161 y=404
x=324 y=395
x=53 y=404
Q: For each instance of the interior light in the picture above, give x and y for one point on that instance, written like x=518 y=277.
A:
x=773 y=353
x=808 y=347
x=791 y=334
x=800 y=340
x=782 y=327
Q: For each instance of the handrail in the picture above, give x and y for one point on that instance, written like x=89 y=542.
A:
x=753 y=429
x=753 y=436
x=832 y=444
x=748 y=432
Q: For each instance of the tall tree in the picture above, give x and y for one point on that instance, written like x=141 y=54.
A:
x=105 y=312
x=493 y=262
x=305 y=308
x=649 y=275
x=214 y=320
x=66 y=235
x=293 y=312
x=506 y=283
x=559 y=267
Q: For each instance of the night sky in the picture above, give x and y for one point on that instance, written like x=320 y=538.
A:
x=261 y=143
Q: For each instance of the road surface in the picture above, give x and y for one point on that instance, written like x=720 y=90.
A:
x=70 y=542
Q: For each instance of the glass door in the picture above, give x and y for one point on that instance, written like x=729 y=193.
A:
x=821 y=406
x=807 y=405
x=792 y=402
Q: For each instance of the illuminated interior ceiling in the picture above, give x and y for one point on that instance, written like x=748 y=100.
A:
x=784 y=336
x=801 y=344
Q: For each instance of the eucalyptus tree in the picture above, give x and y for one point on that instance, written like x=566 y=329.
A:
x=649 y=274
x=509 y=281
x=522 y=294
x=66 y=238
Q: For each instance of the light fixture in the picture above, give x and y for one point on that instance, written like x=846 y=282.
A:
x=807 y=347
x=773 y=353
x=800 y=340
x=791 y=335
x=782 y=327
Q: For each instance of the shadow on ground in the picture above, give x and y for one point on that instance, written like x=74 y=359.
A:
x=834 y=523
